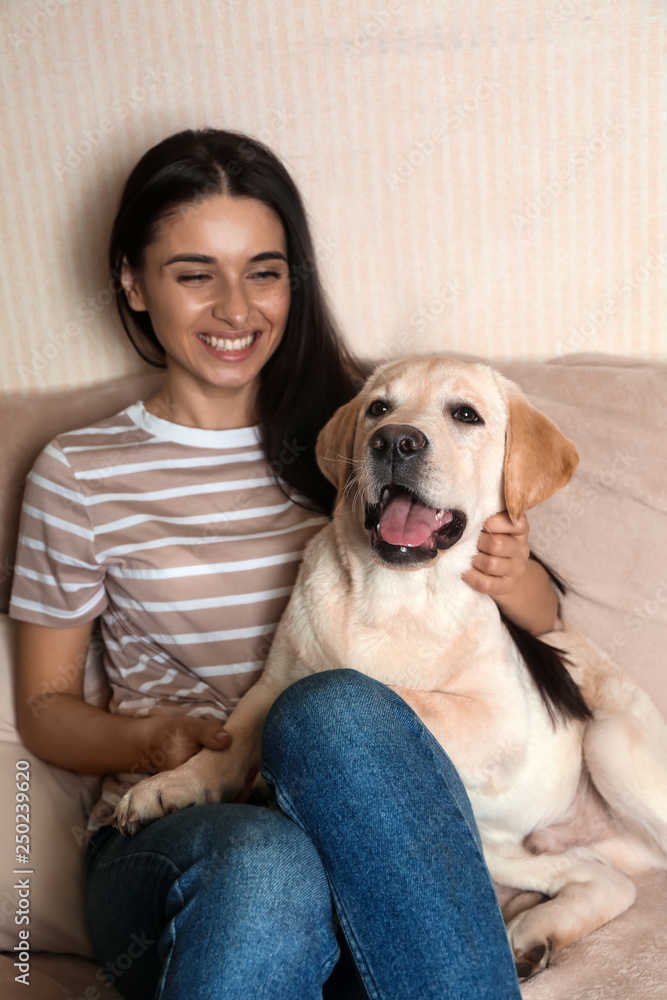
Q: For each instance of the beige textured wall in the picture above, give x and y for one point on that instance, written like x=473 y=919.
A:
x=483 y=176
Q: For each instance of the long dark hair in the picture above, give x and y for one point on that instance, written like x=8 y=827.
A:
x=311 y=373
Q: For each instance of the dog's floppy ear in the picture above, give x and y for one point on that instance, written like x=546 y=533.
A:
x=539 y=459
x=334 y=445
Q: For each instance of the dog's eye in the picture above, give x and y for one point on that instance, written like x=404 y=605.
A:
x=467 y=415
x=377 y=408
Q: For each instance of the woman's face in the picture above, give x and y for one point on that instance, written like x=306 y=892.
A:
x=216 y=285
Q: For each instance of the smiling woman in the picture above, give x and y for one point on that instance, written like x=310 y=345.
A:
x=181 y=522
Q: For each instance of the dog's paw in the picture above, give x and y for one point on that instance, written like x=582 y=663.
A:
x=528 y=962
x=156 y=796
x=530 y=946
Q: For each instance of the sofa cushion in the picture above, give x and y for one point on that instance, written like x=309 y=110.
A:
x=58 y=801
x=606 y=532
x=57 y=977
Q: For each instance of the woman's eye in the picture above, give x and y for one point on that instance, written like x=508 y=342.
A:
x=467 y=415
x=377 y=408
x=263 y=275
x=196 y=279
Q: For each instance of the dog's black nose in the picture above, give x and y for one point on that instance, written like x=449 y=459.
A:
x=398 y=441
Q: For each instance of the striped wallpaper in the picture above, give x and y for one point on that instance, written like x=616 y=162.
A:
x=484 y=176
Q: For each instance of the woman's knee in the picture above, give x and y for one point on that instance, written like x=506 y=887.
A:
x=344 y=723
x=330 y=715
x=239 y=879
x=238 y=859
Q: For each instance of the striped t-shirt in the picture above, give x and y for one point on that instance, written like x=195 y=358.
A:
x=181 y=540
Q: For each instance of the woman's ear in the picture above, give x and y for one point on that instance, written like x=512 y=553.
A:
x=335 y=444
x=539 y=459
x=131 y=287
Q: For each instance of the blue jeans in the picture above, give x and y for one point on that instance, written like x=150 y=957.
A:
x=239 y=902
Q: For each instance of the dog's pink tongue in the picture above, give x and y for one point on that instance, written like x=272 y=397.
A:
x=404 y=522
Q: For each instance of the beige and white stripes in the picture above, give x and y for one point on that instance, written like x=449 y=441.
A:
x=486 y=177
x=184 y=544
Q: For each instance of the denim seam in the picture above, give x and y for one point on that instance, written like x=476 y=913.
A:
x=169 y=928
x=327 y=965
x=369 y=983
x=434 y=748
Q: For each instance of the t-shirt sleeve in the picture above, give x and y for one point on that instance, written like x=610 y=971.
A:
x=57 y=579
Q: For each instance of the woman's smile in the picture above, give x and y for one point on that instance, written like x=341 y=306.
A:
x=231 y=345
x=232 y=348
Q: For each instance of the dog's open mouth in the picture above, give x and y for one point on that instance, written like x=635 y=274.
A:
x=405 y=529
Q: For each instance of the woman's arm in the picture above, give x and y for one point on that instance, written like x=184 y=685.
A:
x=519 y=585
x=58 y=725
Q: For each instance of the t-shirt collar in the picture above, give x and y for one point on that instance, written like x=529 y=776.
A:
x=166 y=430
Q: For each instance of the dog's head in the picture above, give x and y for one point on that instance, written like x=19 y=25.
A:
x=432 y=447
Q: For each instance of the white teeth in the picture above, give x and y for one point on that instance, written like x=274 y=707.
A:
x=385 y=496
x=439 y=513
x=223 y=344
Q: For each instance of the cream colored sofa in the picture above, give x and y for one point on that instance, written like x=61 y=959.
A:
x=606 y=534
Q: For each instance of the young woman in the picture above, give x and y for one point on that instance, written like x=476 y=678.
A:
x=181 y=522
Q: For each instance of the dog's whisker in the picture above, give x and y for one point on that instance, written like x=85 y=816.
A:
x=339 y=458
x=352 y=481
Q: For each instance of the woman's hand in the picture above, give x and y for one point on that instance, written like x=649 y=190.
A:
x=168 y=741
x=502 y=556
x=503 y=569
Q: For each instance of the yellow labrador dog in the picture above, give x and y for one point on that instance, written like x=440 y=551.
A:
x=566 y=770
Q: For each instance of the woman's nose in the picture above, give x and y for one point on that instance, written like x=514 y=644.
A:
x=231 y=305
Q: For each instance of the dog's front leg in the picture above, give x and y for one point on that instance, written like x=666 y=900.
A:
x=208 y=776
